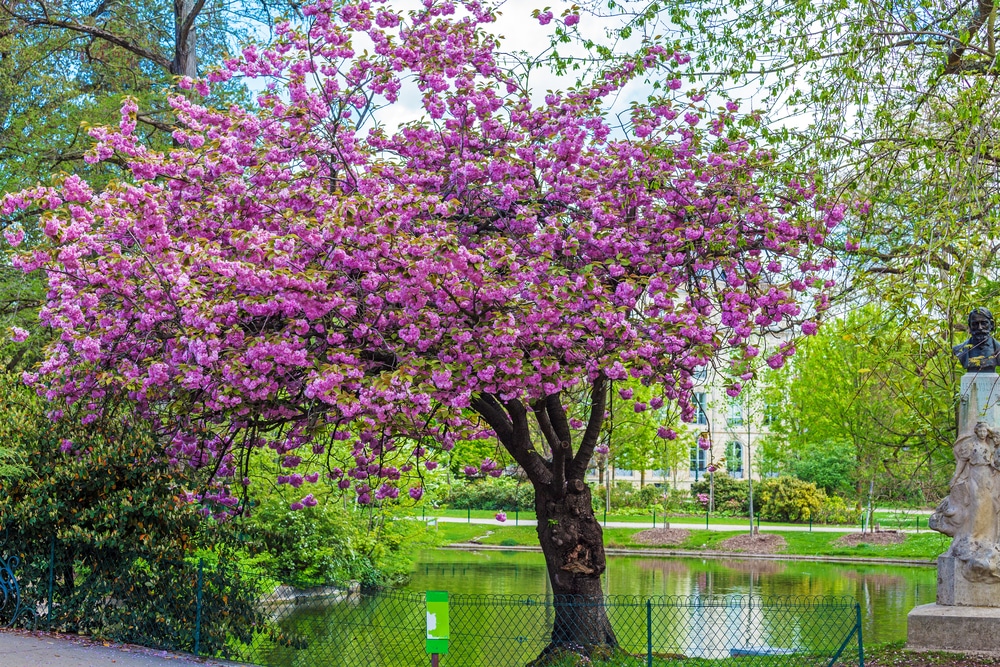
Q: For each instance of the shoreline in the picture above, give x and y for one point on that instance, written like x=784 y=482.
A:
x=717 y=555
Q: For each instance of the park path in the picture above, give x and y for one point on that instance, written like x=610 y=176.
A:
x=42 y=649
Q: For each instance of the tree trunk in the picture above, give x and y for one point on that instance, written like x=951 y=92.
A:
x=571 y=539
x=185 y=56
x=573 y=545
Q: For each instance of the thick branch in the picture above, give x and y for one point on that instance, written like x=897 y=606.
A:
x=983 y=10
x=598 y=401
x=560 y=454
x=544 y=425
x=557 y=415
x=511 y=427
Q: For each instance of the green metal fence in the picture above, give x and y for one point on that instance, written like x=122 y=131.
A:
x=228 y=612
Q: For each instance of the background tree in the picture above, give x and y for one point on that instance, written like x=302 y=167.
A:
x=293 y=278
x=847 y=394
x=893 y=103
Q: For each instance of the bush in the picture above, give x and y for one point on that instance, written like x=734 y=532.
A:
x=789 y=499
x=493 y=494
x=835 y=510
x=732 y=497
x=625 y=495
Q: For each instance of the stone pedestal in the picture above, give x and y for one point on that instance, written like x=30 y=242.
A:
x=935 y=627
x=987 y=395
x=953 y=589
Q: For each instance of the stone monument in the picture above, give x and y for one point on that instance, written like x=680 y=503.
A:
x=966 y=616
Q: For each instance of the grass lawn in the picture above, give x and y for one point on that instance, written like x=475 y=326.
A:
x=925 y=546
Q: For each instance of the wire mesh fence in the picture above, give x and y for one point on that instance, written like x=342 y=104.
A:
x=229 y=612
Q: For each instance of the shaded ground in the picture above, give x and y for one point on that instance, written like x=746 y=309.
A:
x=754 y=544
x=882 y=537
x=660 y=537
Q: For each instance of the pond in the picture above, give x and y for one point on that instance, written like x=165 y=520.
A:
x=887 y=593
x=385 y=629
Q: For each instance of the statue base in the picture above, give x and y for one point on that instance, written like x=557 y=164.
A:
x=935 y=627
x=954 y=590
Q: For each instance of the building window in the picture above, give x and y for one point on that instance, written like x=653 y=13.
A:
x=735 y=417
x=699 y=373
x=621 y=472
x=699 y=459
x=734 y=459
x=701 y=408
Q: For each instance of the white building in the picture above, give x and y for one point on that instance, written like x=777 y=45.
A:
x=734 y=427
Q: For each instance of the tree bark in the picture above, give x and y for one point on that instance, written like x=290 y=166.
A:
x=568 y=532
x=185 y=55
x=573 y=545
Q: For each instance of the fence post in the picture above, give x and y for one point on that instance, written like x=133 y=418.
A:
x=649 y=633
x=52 y=572
x=654 y=518
x=197 y=613
x=861 y=643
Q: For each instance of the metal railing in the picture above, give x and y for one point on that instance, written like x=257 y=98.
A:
x=230 y=612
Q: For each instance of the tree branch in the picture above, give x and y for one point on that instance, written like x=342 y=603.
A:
x=544 y=425
x=101 y=33
x=511 y=427
x=983 y=10
x=598 y=401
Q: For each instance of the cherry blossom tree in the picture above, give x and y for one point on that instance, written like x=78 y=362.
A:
x=296 y=278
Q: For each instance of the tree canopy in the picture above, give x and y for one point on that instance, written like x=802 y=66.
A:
x=290 y=275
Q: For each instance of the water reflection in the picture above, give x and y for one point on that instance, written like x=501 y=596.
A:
x=886 y=593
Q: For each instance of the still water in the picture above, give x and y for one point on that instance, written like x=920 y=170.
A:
x=886 y=593
x=386 y=630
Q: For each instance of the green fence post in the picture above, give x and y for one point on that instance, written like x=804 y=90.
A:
x=706 y=518
x=516 y=515
x=810 y=524
x=654 y=518
x=468 y=514
x=649 y=633
x=52 y=573
x=197 y=612
x=605 y=516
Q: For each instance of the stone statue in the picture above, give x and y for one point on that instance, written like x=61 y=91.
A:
x=981 y=353
x=971 y=512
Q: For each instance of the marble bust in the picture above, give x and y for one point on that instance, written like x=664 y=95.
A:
x=981 y=353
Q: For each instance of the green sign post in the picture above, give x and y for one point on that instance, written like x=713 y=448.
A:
x=437 y=624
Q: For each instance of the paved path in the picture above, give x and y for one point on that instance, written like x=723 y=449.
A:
x=40 y=649
x=676 y=524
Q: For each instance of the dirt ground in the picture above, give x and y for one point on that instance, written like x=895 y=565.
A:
x=881 y=538
x=754 y=544
x=662 y=536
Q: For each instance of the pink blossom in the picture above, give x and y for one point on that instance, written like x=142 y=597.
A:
x=571 y=20
x=501 y=516
x=18 y=335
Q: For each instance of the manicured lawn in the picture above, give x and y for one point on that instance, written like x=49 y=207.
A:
x=922 y=546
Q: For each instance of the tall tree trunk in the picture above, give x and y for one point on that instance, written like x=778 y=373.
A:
x=185 y=56
x=573 y=545
x=568 y=532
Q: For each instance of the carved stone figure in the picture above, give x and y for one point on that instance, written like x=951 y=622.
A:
x=971 y=511
x=981 y=353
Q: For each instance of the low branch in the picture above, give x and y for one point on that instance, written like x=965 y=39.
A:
x=598 y=401
x=544 y=425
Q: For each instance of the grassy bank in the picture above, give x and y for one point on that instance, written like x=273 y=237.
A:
x=923 y=546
